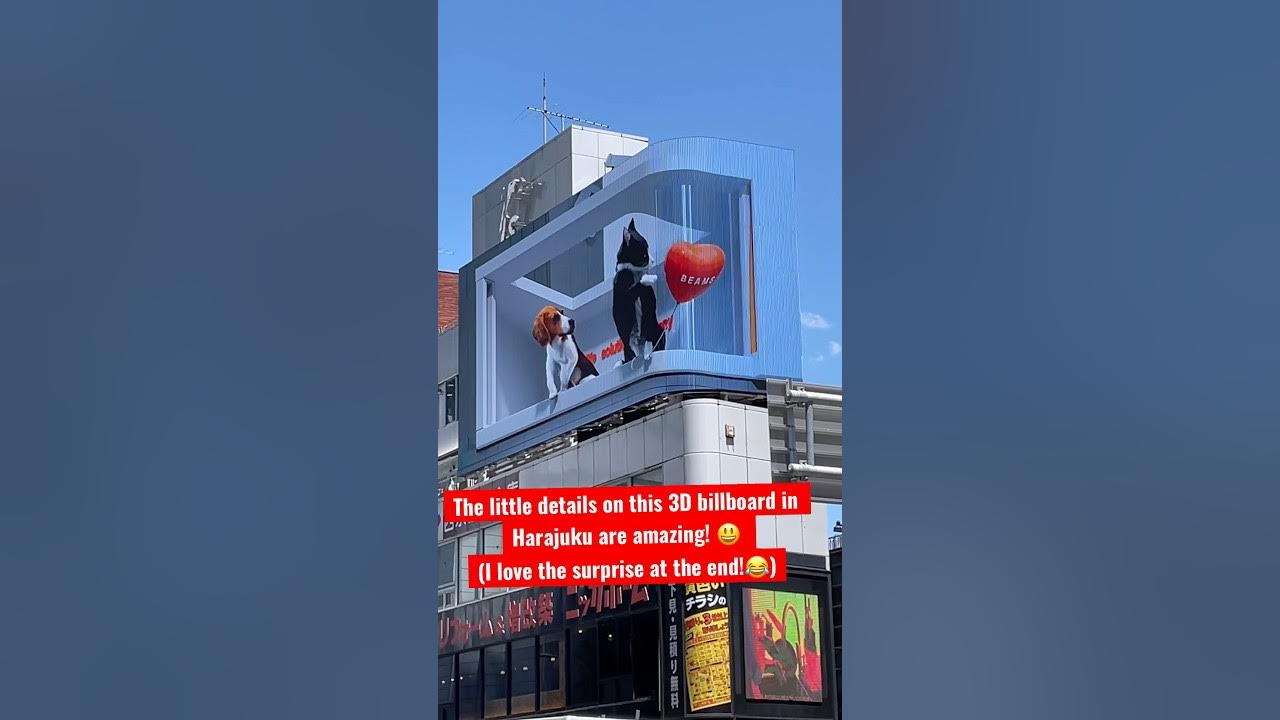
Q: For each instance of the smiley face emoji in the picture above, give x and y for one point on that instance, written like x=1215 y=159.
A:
x=728 y=533
x=757 y=567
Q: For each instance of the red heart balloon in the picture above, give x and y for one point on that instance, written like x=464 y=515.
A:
x=691 y=269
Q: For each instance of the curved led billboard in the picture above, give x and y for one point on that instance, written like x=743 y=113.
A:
x=681 y=262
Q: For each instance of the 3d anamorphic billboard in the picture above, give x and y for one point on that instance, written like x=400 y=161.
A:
x=681 y=262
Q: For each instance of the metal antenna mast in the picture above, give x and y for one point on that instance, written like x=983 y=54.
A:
x=547 y=114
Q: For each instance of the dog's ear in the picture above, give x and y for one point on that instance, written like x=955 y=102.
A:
x=540 y=332
x=632 y=226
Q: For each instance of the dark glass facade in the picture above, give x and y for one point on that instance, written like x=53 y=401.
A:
x=547 y=651
x=611 y=651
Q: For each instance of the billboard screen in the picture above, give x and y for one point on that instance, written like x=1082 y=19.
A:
x=782 y=641
x=677 y=263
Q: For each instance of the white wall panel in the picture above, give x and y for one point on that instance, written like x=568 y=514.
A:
x=673 y=433
x=732 y=414
x=701 y=426
x=617 y=453
x=634 y=440
x=733 y=469
x=757 y=432
x=673 y=471
x=653 y=440
x=702 y=469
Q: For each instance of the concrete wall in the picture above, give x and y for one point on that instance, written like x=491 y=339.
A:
x=568 y=162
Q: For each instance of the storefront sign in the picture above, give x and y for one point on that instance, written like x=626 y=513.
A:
x=706 y=645
x=525 y=612
x=588 y=602
x=672 y=661
x=500 y=618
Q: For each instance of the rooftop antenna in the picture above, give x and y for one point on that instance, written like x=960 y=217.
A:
x=547 y=114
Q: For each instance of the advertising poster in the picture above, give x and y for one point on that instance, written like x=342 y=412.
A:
x=782 y=646
x=706 y=645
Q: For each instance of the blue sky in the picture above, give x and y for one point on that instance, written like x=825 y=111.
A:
x=760 y=72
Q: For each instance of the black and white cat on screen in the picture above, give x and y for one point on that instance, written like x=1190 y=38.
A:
x=635 y=304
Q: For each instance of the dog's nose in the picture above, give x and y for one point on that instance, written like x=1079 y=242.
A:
x=570 y=324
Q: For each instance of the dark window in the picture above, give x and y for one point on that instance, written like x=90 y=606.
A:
x=645 y=636
x=448 y=401
x=551 y=664
x=495 y=681
x=447 y=568
x=615 y=660
x=524 y=676
x=469 y=685
x=492 y=545
x=583 y=671
x=468 y=545
x=652 y=477
x=445 y=691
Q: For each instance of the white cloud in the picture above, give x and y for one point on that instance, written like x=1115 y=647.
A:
x=813 y=321
x=834 y=347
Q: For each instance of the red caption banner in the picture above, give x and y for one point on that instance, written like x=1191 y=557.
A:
x=677 y=534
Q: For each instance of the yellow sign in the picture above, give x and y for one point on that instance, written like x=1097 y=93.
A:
x=706 y=645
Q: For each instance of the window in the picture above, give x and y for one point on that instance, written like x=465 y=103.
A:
x=468 y=545
x=469 y=685
x=448 y=392
x=493 y=546
x=583 y=670
x=495 y=681
x=445 y=691
x=551 y=672
x=615 y=660
x=651 y=477
x=524 y=675
x=646 y=634
x=447 y=568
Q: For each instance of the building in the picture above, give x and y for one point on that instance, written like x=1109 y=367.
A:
x=550 y=175
x=719 y=401
x=446 y=300
x=837 y=609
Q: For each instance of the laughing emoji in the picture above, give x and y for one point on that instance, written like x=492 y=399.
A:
x=757 y=567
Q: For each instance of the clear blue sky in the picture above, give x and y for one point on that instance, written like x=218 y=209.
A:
x=761 y=72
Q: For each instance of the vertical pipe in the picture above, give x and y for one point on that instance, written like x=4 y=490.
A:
x=808 y=431
x=791 y=428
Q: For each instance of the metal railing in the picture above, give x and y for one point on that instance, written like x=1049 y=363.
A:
x=805 y=428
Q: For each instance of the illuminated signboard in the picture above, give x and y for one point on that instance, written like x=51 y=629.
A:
x=529 y=612
x=782 y=639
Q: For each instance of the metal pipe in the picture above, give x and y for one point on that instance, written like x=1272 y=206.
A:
x=808 y=432
x=791 y=434
x=807 y=469
x=815 y=396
